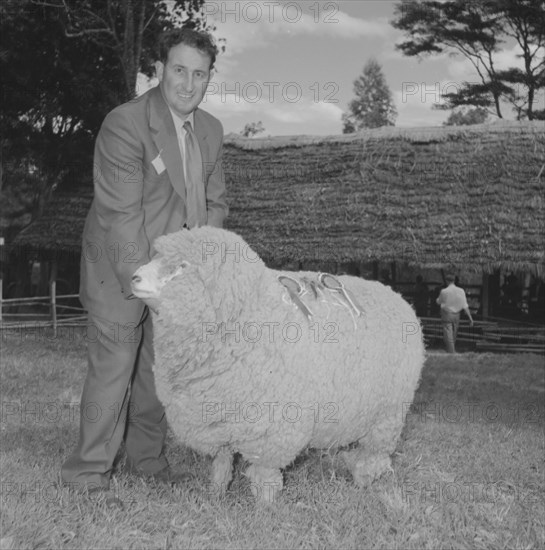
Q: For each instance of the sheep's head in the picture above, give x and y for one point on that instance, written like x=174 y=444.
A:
x=148 y=280
x=209 y=265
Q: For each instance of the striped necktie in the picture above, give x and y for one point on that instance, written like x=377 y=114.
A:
x=195 y=194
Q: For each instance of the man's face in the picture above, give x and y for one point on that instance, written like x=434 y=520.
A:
x=184 y=78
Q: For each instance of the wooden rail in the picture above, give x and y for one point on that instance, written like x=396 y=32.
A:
x=499 y=335
x=55 y=318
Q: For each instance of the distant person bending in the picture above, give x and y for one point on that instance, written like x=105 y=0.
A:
x=452 y=300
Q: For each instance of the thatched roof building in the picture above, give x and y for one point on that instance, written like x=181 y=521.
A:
x=431 y=197
x=57 y=233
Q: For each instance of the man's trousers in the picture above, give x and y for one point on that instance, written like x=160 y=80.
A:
x=450 y=322
x=118 y=400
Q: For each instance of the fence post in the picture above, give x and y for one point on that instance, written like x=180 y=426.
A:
x=485 y=292
x=53 y=294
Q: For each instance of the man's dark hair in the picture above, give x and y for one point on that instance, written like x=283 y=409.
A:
x=199 y=40
x=450 y=277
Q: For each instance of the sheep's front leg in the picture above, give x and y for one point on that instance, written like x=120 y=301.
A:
x=222 y=471
x=371 y=458
x=366 y=466
x=266 y=483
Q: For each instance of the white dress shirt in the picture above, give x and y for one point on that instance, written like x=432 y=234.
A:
x=452 y=299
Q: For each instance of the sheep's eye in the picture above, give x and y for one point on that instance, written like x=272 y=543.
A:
x=167 y=270
x=184 y=264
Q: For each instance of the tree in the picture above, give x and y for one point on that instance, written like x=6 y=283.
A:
x=525 y=23
x=252 y=129
x=466 y=117
x=477 y=31
x=47 y=101
x=127 y=29
x=373 y=106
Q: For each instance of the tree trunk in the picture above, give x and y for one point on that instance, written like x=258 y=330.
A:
x=127 y=60
x=135 y=12
x=530 y=110
x=497 y=104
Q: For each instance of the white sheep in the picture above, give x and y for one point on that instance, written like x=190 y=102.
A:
x=246 y=363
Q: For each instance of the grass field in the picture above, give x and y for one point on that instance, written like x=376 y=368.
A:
x=469 y=470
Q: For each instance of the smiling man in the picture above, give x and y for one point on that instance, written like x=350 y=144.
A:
x=157 y=168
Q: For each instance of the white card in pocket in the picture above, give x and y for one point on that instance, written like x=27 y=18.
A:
x=158 y=164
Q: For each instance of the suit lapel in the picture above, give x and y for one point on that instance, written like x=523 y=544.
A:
x=166 y=140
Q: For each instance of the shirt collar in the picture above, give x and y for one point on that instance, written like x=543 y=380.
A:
x=179 y=122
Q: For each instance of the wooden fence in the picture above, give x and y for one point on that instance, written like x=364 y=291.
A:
x=57 y=314
x=491 y=334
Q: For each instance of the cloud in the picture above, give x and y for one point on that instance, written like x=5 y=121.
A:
x=280 y=114
x=462 y=69
x=305 y=110
x=250 y=27
x=415 y=106
x=229 y=105
x=262 y=96
x=250 y=24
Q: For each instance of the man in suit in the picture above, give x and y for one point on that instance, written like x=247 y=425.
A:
x=153 y=175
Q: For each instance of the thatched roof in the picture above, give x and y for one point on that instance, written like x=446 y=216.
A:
x=471 y=195
x=58 y=231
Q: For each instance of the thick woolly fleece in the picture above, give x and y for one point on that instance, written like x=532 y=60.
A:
x=240 y=368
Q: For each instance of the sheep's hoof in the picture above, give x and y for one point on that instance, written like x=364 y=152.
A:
x=266 y=483
x=365 y=467
x=222 y=471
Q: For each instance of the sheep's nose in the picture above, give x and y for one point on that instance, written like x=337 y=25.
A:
x=136 y=278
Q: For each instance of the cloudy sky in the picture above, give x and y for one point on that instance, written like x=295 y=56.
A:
x=292 y=64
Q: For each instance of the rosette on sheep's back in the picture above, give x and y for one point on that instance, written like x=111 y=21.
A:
x=268 y=363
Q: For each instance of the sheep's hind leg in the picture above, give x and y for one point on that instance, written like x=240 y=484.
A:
x=266 y=483
x=222 y=471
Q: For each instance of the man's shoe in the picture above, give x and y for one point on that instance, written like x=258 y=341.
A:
x=93 y=492
x=165 y=475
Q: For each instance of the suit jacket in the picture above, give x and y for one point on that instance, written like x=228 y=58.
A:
x=139 y=194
